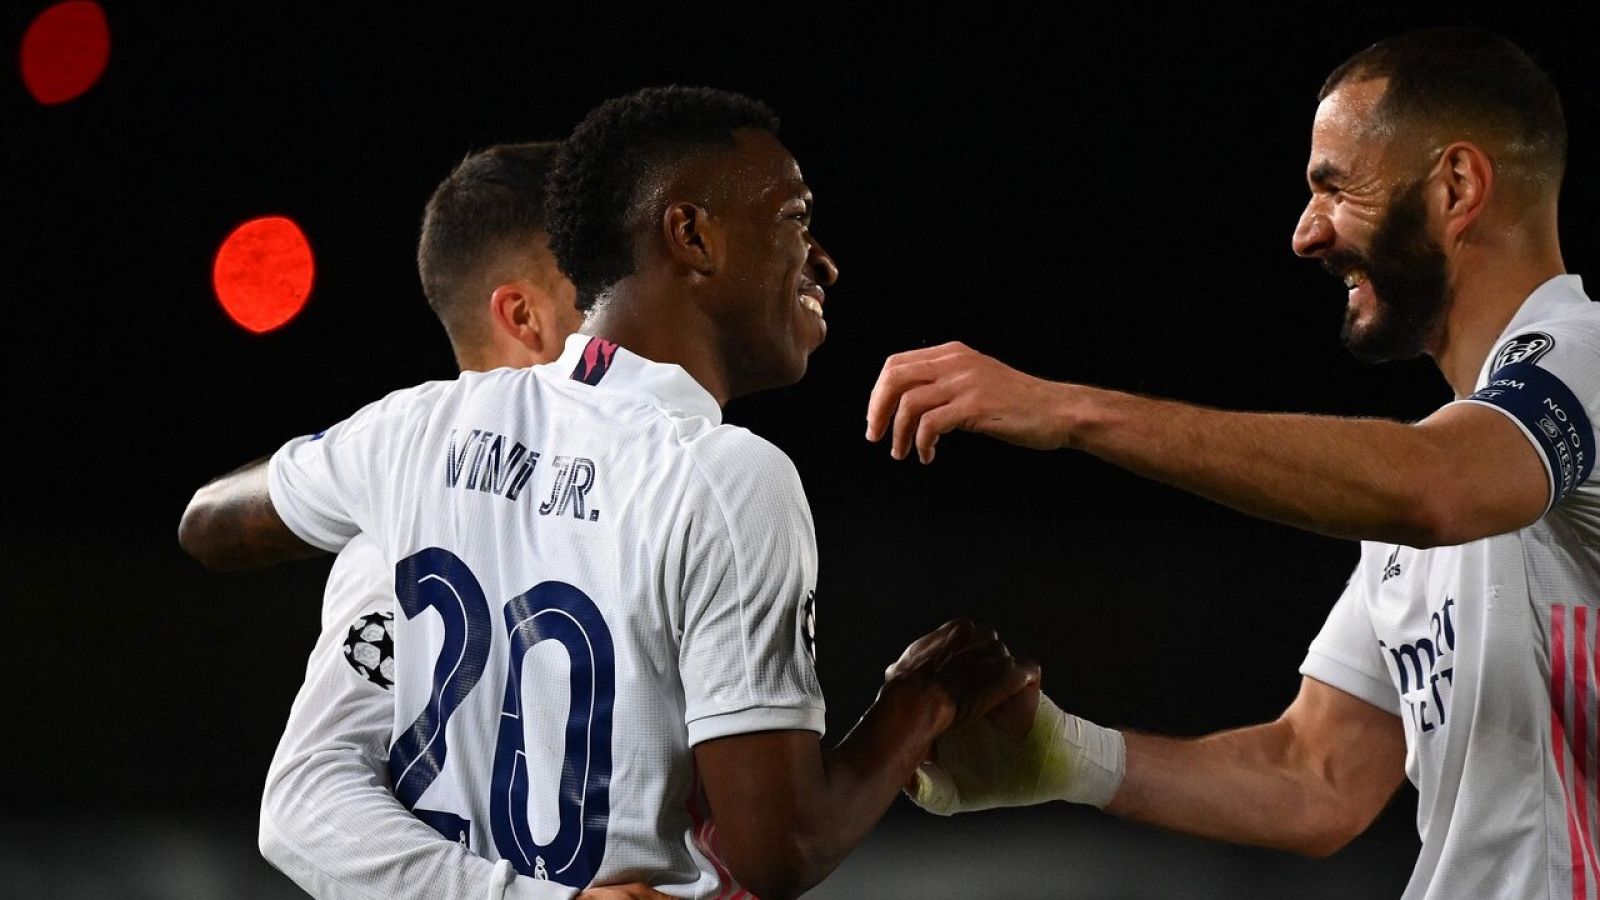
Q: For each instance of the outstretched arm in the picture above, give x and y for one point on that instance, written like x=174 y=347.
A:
x=230 y=524
x=1309 y=782
x=1463 y=473
x=788 y=812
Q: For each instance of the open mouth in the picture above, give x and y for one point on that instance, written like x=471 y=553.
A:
x=811 y=297
x=1355 y=278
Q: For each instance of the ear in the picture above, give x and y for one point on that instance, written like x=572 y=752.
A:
x=1465 y=179
x=525 y=313
x=693 y=238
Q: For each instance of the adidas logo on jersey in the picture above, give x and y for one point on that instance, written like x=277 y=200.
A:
x=1391 y=569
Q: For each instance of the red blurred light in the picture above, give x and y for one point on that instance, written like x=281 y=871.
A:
x=64 y=51
x=263 y=273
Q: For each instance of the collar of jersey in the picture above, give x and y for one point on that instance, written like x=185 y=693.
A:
x=666 y=383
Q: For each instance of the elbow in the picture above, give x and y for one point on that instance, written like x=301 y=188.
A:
x=192 y=529
x=1330 y=834
x=784 y=872
x=1324 y=842
x=269 y=839
x=196 y=533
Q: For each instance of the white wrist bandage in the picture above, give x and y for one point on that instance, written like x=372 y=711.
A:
x=1062 y=757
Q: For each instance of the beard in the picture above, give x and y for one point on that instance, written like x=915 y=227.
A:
x=1406 y=269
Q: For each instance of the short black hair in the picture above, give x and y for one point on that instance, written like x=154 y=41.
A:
x=1467 y=76
x=492 y=200
x=596 y=179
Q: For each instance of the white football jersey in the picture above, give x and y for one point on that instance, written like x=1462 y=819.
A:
x=1487 y=651
x=591 y=575
x=328 y=818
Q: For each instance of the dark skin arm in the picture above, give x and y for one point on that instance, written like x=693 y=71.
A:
x=230 y=524
x=789 y=811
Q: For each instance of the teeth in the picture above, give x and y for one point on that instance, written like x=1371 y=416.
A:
x=811 y=304
x=1354 y=279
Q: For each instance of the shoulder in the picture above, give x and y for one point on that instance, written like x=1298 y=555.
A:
x=1567 y=335
x=751 y=485
x=728 y=456
x=397 y=407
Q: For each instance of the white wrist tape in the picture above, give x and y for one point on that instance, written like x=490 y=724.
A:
x=1062 y=757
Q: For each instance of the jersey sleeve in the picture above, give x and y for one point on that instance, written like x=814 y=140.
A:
x=1345 y=654
x=749 y=580
x=328 y=819
x=1551 y=390
x=321 y=484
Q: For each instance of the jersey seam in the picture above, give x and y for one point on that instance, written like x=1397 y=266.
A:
x=738 y=570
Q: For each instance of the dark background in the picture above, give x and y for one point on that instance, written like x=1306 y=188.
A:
x=1102 y=193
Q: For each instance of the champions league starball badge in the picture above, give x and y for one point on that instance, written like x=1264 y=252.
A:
x=369 y=648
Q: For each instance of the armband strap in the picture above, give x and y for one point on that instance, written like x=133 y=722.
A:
x=1550 y=415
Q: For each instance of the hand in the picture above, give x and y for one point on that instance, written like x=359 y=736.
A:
x=968 y=665
x=623 y=892
x=928 y=392
x=1015 y=716
x=988 y=762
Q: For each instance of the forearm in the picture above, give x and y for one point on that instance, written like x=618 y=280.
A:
x=806 y=825
x=788 y=811
x=231 y=524
x=1353 y=478
x=1243 y=786
x=862 y=775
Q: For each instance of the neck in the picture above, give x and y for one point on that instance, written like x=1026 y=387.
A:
x=664 y=326
x=1486 y=291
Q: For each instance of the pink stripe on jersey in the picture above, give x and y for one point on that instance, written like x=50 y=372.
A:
x=1558 y=743
x=1592 y=738
x=1582 y=686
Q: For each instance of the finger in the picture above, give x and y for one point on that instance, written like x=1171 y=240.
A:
x=897 y=375
x=885 y=394
x=913 y=404
x=935 y=422
x=1015 y=716
x=1003 y=679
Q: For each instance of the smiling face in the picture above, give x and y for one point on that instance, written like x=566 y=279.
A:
x=1368 y=223
x=774 y=272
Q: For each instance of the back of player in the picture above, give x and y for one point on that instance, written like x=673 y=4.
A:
x=592 y=574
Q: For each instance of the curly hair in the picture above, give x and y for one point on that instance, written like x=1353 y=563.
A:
x=492 y=199
x=596 y=179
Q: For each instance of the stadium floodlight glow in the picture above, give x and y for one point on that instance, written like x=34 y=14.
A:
x=263 y=273
x=64 y=51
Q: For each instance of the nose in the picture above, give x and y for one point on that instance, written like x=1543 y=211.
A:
x=824 y=270
x=1313 y=234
